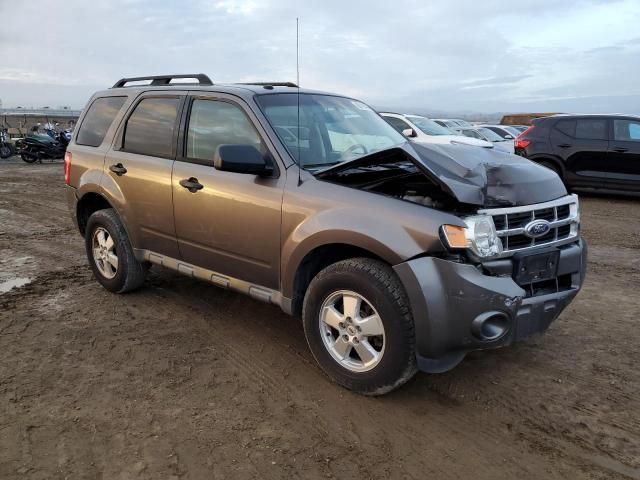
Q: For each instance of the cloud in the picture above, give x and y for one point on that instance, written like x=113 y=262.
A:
x=459 y=55
x=492 y=82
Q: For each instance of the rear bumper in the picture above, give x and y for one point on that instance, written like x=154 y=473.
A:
x=458 y=308
x=71 y=195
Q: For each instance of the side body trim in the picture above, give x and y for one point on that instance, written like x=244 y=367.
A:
x=257 y=292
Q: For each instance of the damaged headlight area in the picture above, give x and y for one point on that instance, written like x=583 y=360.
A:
x=479 y=236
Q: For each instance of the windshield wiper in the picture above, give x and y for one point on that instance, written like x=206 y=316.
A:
x=315 y=165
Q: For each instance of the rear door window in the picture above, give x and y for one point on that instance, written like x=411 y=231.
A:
x=151 y=128
x=591 y=128
x=98 y=119
x=626 y=130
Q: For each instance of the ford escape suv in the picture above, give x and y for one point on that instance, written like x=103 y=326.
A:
x=398 y=257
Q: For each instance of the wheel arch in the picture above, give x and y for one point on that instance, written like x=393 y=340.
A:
x=554 y=160
x=319 y=257
x=89 y=203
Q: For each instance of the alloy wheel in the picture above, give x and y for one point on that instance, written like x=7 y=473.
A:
x=104 y=253
x=352 y=331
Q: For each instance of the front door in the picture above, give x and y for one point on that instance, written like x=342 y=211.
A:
x=624 y=156
x=140 y=164
x=232 y=224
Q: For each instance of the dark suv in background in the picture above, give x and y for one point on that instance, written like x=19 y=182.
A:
x=587 y=151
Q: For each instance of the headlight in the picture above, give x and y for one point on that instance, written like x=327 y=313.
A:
x=480 y=236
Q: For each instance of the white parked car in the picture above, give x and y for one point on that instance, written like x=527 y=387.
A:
x=482 y=133
x=505 y=131
x=424 y=130
x=452 y=122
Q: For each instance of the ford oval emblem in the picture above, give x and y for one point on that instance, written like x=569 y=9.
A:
x=537 y=228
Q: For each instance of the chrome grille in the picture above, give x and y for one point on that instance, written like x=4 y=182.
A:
x=562 y=214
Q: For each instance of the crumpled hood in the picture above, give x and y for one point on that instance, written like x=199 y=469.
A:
x=487 y=177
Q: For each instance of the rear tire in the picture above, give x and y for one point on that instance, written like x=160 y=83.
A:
x=110 y=253
x=30 y=157
x=339 y=307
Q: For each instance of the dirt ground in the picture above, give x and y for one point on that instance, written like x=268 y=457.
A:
x=182 y=380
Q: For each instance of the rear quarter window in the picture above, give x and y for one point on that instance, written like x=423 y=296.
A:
x=568 y=127
x=98 y=119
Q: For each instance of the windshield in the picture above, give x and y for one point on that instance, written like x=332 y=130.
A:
x=463 y=123
x=331 y=129
x=490 y=135
x=428 y=126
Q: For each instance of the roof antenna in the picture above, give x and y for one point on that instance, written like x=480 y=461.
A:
x=298 y=102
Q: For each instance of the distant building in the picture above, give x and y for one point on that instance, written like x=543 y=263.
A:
x=522 y=118
x=20 y=120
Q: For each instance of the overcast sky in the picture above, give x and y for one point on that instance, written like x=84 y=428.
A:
x=466 y=55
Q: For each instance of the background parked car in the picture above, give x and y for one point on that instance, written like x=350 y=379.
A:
x=483 y=133
x=587 y=151
x=452 y=122
x=505 y=131
x=424 y=130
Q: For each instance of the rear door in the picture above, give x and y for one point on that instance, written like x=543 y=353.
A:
x=138 y=169
x=583 y=144
x=92 y=137
x=232 y=224
x=624 y=155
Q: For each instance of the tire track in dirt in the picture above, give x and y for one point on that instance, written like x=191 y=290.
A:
x=475 y=445
x=185 y=379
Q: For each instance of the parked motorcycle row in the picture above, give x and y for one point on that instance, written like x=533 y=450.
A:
x=46 y=143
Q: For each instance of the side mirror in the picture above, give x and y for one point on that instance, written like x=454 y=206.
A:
x=509 y=137
x=241 y=159
x=409 y=133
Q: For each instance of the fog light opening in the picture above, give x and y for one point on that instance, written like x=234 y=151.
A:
x=490 y=326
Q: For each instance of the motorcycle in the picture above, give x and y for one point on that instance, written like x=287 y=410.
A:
x=36 y=147
x=63 y=137
x=6 y=148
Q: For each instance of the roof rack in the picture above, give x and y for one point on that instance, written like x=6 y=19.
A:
x=270 y=84
x=164 y=80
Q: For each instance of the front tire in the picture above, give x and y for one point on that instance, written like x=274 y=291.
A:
x=6 y=151
x=110 y=254
x=359 y=326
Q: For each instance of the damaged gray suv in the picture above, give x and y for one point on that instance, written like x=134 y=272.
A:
x=397 y=256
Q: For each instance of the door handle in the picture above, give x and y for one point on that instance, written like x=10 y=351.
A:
x=620 y=149
x=564 y=145
x=118 y=169
x=191 y=184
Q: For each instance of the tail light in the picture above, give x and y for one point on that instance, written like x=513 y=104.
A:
x=522 y=142
x=67 y=168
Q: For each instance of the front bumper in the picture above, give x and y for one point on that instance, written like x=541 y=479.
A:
x=450 y=301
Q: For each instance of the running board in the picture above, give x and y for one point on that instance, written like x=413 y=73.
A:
x=257 y=292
